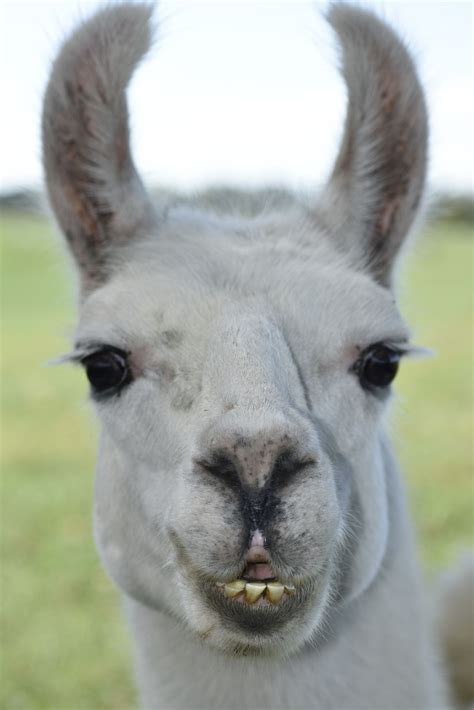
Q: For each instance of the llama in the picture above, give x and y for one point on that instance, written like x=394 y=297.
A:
x=247 y=502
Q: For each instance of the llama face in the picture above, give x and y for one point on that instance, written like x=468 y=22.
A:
x=243 y=415
x=240 y=369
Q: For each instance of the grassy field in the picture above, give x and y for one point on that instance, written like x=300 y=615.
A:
x=67 y=647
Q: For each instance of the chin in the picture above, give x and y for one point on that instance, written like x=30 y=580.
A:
x=240 y=621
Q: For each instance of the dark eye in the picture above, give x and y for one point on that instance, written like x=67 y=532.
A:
x=107 y=370
x=377 y=366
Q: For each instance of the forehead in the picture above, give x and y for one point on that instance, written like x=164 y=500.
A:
x=178 y=284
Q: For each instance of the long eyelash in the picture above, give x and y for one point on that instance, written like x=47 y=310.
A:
x=81 y=351
x=76 y=356
x=409 y=350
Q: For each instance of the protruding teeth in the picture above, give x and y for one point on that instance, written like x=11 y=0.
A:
x=234 y=588
x=275 y=591
x=254 y=590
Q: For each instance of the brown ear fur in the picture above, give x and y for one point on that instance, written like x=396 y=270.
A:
x=93 y=186
x=377 y=181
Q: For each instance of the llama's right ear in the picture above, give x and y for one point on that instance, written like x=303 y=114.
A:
x=377 y=181
x=93 y=186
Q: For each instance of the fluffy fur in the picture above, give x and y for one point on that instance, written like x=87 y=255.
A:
x=242 y=337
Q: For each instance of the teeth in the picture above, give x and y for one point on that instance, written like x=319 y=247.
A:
x=254 y=590
x=234 y=588
x=275 y=591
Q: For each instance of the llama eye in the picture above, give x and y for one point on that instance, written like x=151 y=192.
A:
x=107 y=370
x=377 y=366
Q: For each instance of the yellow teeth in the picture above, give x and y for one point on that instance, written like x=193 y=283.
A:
x=234 y=588
x=254 y=590
x=273 y=591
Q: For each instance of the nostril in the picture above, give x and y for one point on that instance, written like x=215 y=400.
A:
x=220 y=466
x=250 y=475
x=287 y=465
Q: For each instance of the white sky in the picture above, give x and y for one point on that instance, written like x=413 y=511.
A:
x=242 y=92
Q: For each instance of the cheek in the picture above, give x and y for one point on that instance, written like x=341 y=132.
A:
x=143 y=426
x=308 y=523
x=348 y=411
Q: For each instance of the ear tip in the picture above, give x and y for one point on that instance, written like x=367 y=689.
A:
x=130 y=13
x=351 y=22
x=125 y=28
x=126 y=18
x=369 y=43
x=341 y=12
x=103 y=50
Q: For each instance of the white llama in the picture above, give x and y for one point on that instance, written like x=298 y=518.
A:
x=248 y=505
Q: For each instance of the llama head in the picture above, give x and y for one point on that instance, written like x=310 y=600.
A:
x=240 y=368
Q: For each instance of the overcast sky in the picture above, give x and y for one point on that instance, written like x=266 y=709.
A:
x=243 y=92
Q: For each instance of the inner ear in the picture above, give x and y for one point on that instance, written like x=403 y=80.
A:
x=94 y=188
x=377 y=181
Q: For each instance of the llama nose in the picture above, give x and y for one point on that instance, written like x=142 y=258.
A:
x=253 y=471
x=256 y=469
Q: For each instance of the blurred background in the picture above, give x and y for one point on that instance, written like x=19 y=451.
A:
x=238 y=94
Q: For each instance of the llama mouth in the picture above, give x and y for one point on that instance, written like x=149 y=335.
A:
x=258 y=582
x=253 y=591
x=259 y=608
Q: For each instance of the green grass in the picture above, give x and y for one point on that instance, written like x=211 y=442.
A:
x=434 y=417
x=67 y=646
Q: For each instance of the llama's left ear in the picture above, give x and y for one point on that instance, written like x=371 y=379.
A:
x=377 y=181
x=96 y=194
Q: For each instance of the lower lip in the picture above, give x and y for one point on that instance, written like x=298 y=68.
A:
x=261 y=618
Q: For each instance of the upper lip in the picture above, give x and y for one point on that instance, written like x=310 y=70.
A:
x=258 y=564
x=254 y=565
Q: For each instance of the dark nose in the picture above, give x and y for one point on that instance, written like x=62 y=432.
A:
x=257 y=469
